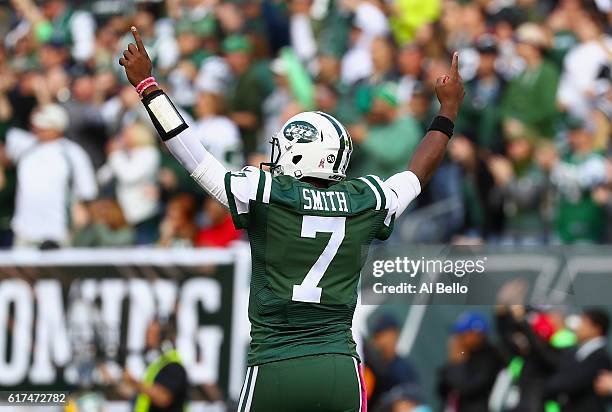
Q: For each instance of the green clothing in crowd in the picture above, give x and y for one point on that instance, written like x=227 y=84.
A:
x=389 y=148
x=578 y=218
x=247 y=94
x=478 y=118
x=522 y=199
x=531 y=98
x=563 y=42
x=99 y=235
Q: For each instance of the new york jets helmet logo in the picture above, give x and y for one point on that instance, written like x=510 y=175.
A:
x=302 y=132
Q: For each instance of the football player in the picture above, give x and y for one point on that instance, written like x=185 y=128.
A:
x=308 y=227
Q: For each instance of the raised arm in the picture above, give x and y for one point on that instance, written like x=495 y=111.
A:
x=431 y=150
x=170 y=125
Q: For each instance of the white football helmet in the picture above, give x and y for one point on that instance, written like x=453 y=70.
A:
x=312 y=144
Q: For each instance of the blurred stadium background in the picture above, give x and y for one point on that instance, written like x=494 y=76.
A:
x=105 y=233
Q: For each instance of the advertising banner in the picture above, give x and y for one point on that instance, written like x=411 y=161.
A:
x=74 y=319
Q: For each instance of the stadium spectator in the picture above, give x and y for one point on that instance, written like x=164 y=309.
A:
x=273 y=106
x=57 y=22
x=51 y=171
x=410 y=60
x=479 y=115
x=387 y=143
x=86 y=126
x=529 y=103
x=368 y=23
x=165 y=385
x=177 y=228
x=409 y=16
x=573 y=383
x=218 y=229
x=218 y=133
x=329 y=71
x=587 y=66
x=247 y=93
x=520 y=184
x=468 y=376
x=383 y=364
x=103 y=225
x=526 y=342
x=121 y=109
x=383 y=67
x=133 y=162
x=404 y=398
x=301 y=31
x=578 y=217
x=482 y=218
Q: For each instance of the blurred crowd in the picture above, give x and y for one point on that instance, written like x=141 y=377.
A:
x=80 y=163
x=534 y=359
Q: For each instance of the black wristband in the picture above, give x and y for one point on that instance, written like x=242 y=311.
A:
x=442 y=124
x=166 y=119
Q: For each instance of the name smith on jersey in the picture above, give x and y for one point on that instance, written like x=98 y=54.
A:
x=328 y=201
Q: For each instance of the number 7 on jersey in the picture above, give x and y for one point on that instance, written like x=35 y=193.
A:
x=308 y=291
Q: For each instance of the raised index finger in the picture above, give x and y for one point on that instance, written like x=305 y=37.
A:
x=454 y=70
x=138 y=39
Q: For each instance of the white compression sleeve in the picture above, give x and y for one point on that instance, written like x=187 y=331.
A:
x=203 y=167
x=407 y=187
x=187 y=149
x=210 y=174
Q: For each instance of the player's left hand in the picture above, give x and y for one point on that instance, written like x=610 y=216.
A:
x=136 y=61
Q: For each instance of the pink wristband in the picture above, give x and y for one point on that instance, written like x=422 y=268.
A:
x=145 y=84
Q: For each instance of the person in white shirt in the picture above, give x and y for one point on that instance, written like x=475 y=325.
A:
x=583 y=73
x=76 y=28
x=218 y=133
x=134 y=162
x=369 y=23
x=52 y=173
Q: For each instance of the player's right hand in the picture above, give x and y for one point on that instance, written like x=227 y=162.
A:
x=449 y=89
x=136 y=61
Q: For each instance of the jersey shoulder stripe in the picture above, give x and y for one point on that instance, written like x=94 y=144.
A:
x=249 y=185
x=375 y=184
x=267 y=186
x=378 y=184
x=374 y=191
x=387 y=191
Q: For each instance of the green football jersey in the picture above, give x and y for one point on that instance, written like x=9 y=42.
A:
x=308 y=246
